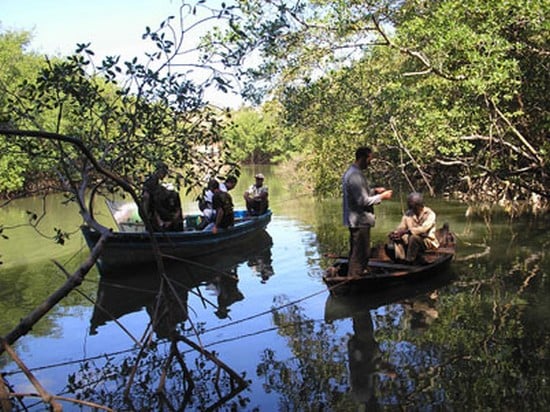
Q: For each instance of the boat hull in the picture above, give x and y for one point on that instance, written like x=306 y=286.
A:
x=134 y=248
x=353 y=305
x=383 y=274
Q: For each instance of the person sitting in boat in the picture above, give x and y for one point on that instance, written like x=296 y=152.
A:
x=222 y=203
x=205 y=201
x=256 y=197
x=415 y=234
x=229 y=183
x=168 y=210
x=160 y=206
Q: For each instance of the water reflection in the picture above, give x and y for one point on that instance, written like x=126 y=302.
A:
x=366 y=361
x=166 y=300
x=262 y=265
x=175 y=367
x=491 y=330
x=341 y=307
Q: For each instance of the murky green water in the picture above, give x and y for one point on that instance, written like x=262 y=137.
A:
x=475 y=338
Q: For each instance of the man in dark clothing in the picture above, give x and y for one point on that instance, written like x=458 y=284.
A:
x=222 y=203
x=160 y=206
x=358 y=204
x=168 y=210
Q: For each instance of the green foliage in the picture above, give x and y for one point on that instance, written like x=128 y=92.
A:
x=127 y=115
x=257 y=137
x=249 y=137
x=451 y=93
x=16 y=65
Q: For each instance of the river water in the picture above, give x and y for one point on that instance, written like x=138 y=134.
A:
x=472 y=338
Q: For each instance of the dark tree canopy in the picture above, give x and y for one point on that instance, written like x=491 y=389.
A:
x=452 y=94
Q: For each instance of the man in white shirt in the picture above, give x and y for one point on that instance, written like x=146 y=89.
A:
x=256 y=197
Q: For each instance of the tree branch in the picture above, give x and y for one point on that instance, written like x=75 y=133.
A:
x=518 y=134
x=417 y=55
x=46 y=397
x=399 y=140
x=26 y=324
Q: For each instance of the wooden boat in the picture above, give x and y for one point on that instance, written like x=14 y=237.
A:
x=131 y=244
x=384 y=272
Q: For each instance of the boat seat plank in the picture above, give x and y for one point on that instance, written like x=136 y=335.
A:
x=390 y=265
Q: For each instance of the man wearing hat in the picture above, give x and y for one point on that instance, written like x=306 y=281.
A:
x=256 y=197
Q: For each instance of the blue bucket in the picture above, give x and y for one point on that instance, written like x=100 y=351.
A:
x=239 y=214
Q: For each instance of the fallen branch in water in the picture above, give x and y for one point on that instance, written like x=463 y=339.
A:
x=26 y=324
x=44 y=395
x=474 y=255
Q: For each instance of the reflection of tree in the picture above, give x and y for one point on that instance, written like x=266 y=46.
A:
x=485 y=351
x=161 y=383
x=315 y=377
x=178 y=371
x=15 y=303
x=468 y=349
x=311 y=379
x=497 y=348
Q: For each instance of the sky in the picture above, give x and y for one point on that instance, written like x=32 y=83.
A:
x=113 y=27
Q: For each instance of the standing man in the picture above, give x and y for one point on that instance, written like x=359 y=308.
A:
x=256 y=197
x=358 y=201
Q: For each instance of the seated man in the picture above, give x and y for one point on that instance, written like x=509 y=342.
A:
x=256 y=197
x=168 y=210
x=229 y=184
x=222 y=203
x=160 y=207
x=415 y=233
x=205 y=201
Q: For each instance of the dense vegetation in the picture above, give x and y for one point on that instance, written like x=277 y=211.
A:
x=452 y=95
x=125 y=117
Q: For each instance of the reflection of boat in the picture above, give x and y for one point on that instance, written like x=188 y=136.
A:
x=130 y=247
x=384 y=273
x=366 y=358
x=340 y=307
x=121 y=295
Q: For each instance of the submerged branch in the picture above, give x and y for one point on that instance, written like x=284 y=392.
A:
x=44 y=395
